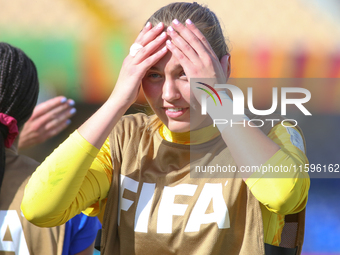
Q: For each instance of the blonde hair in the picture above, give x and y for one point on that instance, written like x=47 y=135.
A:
x=203 y=18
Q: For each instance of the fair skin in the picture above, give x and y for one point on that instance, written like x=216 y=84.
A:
x=165 y=78
x=167 y=91
x=48 y=119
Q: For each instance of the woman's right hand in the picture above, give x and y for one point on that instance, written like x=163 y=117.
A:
x=135 y=67
x=98 y=127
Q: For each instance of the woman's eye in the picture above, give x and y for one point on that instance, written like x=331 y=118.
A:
x=154 y=75
x=183 y=76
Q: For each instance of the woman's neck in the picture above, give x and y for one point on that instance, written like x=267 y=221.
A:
x=193 y=137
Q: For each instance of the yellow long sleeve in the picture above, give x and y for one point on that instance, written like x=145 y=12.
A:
x=71 y=183
x=288 y=192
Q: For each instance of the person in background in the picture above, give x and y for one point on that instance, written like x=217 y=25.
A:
x=19 y=90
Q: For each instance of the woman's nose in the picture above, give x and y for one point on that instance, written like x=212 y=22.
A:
x=170 y=91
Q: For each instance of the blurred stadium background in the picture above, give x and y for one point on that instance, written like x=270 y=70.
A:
x=79 y=45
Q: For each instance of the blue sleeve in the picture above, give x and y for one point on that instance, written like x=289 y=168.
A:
x=80 y=232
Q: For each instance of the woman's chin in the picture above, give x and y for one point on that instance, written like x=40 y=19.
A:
x=182 y=127
x=178 y=127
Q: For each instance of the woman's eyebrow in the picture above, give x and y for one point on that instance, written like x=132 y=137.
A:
x=154 y=68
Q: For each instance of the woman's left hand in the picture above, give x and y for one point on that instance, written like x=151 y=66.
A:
x=195 y=54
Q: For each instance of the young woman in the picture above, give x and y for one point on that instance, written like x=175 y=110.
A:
x=19 y=89
x=139 y=166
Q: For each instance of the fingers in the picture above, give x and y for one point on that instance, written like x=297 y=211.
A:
x=190 y=41
x=151 y=39
x=150 y=48
x=191 y=26
x=32 y=135
x=178 y=54
x=55 y=126
x=183 y=47
x=189 y=49
x=187 y=41
x=153 y=59
x=49 y=119
x=193 y=51
x=147 y=35
x=143 y=32
x=54 y=122
x=49 y=105
x=58 y=114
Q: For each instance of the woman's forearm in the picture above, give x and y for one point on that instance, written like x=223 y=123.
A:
x=62 y=185
x=98 y=127
x=249 y=146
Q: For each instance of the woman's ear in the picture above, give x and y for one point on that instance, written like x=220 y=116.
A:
x=225 y=63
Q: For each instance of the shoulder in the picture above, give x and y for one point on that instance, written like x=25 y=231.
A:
x=22 y=164
x=18 y=170
x=130 y=132
x=135 y=120
x=131 y=125
x=281 y=130
x=288 y=135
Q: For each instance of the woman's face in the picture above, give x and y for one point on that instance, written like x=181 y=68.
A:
x=167 y=90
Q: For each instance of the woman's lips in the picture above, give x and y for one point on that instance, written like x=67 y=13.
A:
x=174 y=112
